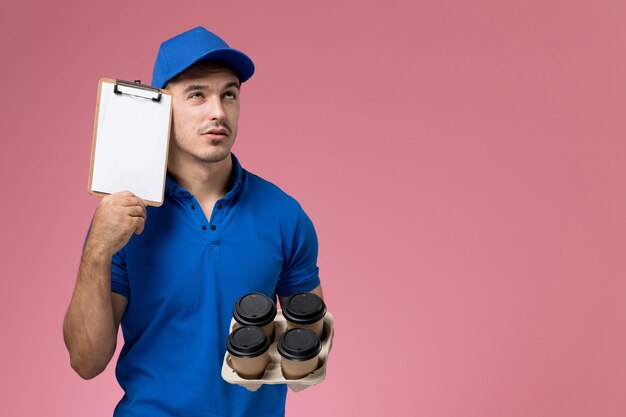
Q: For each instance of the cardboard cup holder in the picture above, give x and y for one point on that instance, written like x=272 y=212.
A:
x=273 y=373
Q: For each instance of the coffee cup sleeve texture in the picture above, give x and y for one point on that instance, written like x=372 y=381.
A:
x=273 y=373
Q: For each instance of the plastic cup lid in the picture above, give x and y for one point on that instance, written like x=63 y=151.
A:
x=304 y=308
x=247 y=342
x=299 y=344
x=254 y=309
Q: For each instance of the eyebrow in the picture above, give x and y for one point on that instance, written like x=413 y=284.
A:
x=194 y=87
x=235 y=84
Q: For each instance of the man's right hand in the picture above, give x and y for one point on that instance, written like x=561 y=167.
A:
x=117 y=217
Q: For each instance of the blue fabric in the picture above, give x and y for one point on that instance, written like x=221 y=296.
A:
x=182 y=283
x=195 y=45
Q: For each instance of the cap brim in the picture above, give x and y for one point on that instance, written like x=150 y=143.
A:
x=236 y=60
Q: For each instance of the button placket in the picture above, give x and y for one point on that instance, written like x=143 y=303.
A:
x=196 y=212
x=214 y=224
x=216 y=216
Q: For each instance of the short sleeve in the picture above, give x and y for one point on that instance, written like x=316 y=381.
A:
x=119 y=274
x=300 y=272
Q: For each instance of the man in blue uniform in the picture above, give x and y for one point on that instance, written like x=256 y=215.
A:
x=171 y=274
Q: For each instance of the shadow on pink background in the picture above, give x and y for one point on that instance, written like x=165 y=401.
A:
x=463 y=163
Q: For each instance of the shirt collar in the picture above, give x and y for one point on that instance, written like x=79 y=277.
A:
x=236 y=179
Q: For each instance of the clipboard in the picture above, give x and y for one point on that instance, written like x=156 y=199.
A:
x=130 y=140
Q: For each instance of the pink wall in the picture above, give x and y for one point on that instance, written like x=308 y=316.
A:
x=463 y=162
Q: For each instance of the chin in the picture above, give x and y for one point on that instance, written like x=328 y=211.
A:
x=215 y=156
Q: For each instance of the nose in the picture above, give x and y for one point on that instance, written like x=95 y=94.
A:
x=215 y=109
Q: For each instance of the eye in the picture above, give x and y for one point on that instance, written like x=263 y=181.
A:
x=196 y=95
x=230 y=95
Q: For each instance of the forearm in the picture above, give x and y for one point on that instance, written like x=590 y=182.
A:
x=89 y=328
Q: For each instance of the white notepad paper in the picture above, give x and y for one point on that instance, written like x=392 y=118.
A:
x=131 y=142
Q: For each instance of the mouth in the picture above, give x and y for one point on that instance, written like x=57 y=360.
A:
x=216 y=134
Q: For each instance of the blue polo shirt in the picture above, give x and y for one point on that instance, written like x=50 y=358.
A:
x=182 y=277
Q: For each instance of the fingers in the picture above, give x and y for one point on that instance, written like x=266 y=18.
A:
x=140 y=223
x=130 y=201
x=125 y=204
x=124 y=193
x=125 y=198
x=136 y=211
x=134 y=206
x=117 y=217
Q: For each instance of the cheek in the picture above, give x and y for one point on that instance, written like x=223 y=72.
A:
x=182 y=125
x=234 y=119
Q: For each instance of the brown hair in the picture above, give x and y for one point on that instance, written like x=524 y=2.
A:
x=203 y=66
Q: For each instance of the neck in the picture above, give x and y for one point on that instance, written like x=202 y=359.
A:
x=208 y=181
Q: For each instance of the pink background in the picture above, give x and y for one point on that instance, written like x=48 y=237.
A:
x=463 y=162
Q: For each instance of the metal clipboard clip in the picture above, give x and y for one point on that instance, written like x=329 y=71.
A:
x=137 y=89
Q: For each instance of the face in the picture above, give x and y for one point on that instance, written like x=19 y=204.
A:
x=205 y=109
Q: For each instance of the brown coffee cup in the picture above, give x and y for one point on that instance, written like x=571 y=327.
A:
x=256 y=309
x=305 y=310
x=248 y=347
x=299 y=349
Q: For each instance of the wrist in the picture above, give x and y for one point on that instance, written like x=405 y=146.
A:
x=95 y=252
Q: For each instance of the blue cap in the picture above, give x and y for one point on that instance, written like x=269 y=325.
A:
x=195 y=45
